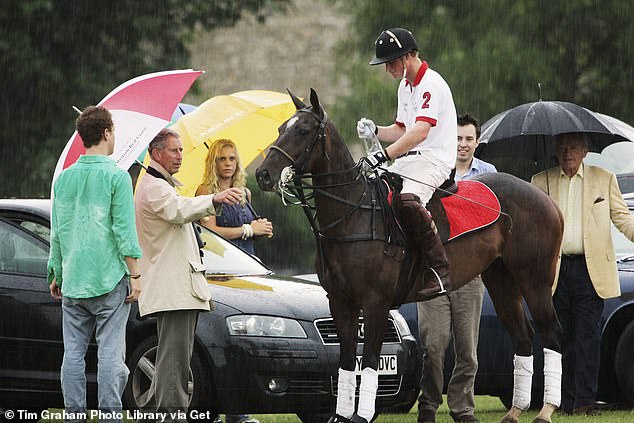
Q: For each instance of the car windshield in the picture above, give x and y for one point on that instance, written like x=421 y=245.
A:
x=619 y=159
x=223 y=258
x=623 y=247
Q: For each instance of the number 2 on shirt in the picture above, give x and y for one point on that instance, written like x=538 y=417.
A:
x=426 y=98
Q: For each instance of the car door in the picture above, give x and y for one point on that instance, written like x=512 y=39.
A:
x=30 y=319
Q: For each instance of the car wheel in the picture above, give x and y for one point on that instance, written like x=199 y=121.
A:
x=141 y=365
x=308 y=417
x=623 y=363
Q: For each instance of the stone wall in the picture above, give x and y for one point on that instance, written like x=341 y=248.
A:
x=291 y=50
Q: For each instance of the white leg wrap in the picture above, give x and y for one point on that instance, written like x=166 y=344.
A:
x=522 y=380
x=346 y=385
x=367 y=393
x=552 y=377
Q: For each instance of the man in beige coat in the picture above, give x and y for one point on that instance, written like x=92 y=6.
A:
x=174 y=288
x=590 y=199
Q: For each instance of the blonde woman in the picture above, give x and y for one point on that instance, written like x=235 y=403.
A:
x=238 y=223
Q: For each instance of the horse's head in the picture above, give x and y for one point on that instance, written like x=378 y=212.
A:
x=304 y=143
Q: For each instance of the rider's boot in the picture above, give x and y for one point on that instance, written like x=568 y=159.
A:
x=419 y=227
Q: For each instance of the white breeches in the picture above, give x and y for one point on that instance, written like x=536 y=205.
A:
x=426 y=175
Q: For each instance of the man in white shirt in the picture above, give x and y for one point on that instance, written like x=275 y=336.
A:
x=423 y=147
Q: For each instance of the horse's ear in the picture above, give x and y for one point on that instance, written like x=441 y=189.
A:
x=314 y=101
x=299 y=104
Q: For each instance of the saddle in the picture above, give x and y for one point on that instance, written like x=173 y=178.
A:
x=456 y=209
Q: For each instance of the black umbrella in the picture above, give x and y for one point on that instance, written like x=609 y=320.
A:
x=521 y=141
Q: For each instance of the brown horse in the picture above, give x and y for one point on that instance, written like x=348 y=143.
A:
x=517 y=257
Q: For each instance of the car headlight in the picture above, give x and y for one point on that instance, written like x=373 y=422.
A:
x=401 y=323
x=254 y=325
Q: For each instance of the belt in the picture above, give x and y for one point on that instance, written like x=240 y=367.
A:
x=572 y=256
x=411 y=153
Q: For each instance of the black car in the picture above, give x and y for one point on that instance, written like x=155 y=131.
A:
x=270 y=345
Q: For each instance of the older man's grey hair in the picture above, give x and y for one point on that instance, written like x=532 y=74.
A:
x=158 y=143
x=578 y=135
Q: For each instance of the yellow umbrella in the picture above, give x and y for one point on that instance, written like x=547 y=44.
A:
x=248 y=118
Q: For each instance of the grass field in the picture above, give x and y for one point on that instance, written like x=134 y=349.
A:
x=488 y=410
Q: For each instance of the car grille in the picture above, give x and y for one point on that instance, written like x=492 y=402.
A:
x=308 y=385
x=328 y=332
x=388 y=385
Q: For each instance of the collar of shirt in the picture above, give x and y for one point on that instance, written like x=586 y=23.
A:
x=419 y=76
x=475 y=169
x=96 y=158
x=579 y=172
x=169 y=178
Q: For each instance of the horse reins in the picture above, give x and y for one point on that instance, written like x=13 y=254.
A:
x=309 y=149
x=299 y=186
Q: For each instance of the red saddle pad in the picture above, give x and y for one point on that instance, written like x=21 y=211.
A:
x=475 y=206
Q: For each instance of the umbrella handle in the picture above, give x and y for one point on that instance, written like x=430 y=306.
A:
x=255 y=214
x=141 y=164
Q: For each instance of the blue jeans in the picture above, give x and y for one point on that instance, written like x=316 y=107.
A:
x=108 y=315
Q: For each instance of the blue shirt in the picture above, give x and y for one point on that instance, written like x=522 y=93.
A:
x=477 y=167
x=92 y=227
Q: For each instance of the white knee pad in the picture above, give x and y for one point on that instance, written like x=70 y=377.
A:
x=552 y=377
x=346 y=385
x=367 y=393
x=522 y=381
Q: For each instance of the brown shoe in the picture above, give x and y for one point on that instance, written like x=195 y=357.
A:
x=586 y=410
x=466 y=418
x=426 y=416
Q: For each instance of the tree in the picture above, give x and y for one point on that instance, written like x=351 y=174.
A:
x=58 y=53
x=493 y=54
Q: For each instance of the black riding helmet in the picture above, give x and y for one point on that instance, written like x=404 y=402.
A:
x=392 y=44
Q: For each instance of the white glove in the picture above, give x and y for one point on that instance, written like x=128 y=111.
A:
x=366 y=128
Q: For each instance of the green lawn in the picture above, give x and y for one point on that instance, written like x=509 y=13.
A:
x=488 y=410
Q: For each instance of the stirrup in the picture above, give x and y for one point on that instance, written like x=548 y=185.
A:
x=443 y=290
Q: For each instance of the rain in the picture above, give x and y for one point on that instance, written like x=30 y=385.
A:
x=494 y=54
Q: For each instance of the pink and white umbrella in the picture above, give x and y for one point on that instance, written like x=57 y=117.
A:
x=140 y=108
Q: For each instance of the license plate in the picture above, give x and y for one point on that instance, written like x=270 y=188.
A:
x=387 y=365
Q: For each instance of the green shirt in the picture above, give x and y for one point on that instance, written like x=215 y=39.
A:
x=92 y=227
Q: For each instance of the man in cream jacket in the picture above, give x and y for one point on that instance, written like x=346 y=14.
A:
x=590 y=199
x=174 y=288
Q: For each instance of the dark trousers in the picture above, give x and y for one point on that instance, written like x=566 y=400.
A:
x=579 y=310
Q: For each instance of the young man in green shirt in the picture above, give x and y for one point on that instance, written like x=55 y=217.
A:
x=92 y=264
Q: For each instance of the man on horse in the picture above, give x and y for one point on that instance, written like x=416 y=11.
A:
x=423 y=147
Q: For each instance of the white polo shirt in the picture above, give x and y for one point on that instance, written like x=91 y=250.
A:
x=429 y=99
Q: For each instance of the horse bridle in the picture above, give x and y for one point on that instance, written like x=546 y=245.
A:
x=299 y=185
x=308 y=151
